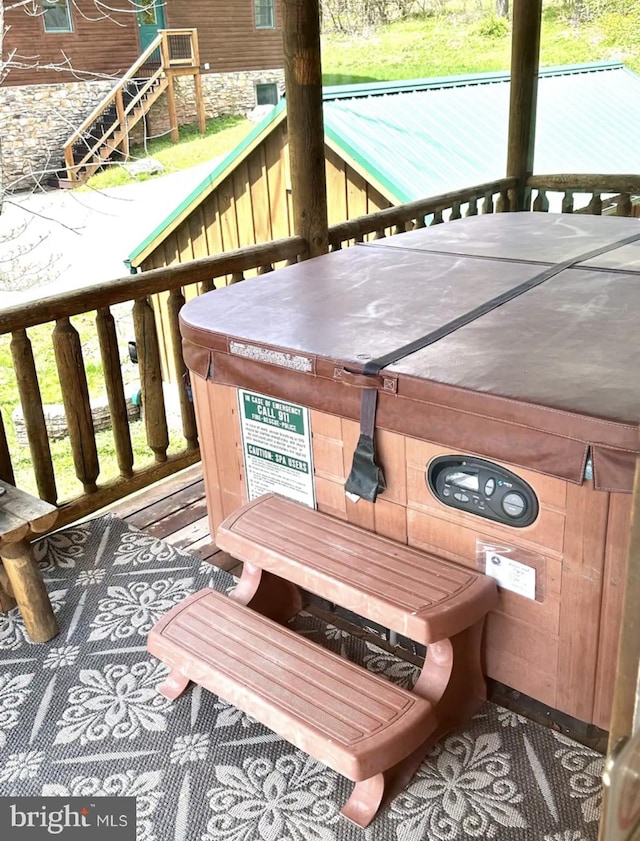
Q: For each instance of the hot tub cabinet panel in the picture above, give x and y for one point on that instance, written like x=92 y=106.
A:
x=538 y=387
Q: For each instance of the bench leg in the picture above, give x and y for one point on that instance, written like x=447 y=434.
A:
x=27 y=588
x=7 y=602
x=173 y=685
x=267 y=594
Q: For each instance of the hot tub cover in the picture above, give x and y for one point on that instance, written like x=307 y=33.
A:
x=543 y=381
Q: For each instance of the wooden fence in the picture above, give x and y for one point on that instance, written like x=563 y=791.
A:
x=617 y=192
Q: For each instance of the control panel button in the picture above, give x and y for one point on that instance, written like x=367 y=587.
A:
x=461 y=497
x=489 y=486
x=513 y=504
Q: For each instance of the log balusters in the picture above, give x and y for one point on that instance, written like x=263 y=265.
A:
x=155 y=418
x=623 y=205
x=567 y=202
x=109 y=352
x=595 y=205
x=206 y=286
x=6 y=468
x=541 y=202
x=31 y=400
x=75 y=397
x=187 y=414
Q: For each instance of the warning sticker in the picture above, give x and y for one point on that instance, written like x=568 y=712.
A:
x=512 y=575
x=276 y=442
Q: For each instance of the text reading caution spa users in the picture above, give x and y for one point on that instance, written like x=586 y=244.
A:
x=273 y=413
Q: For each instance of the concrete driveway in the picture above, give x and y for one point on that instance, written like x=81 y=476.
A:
x=59 y=240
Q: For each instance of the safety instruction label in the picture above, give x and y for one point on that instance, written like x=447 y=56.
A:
x=276 y=443
x=512 y=575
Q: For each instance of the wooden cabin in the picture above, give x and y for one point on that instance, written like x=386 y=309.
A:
x=65 y=41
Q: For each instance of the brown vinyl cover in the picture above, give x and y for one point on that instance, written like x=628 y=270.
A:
x=540 y=382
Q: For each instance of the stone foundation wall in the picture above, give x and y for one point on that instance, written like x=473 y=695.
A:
x=36 y=120
x=223 y=93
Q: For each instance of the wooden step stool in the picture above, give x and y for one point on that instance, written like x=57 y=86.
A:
x=357 y=723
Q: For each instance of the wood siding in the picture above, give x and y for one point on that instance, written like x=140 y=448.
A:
x=228 y=40
x=252 y=205
x=227 y=34
x=95 y=47
x=559 y=649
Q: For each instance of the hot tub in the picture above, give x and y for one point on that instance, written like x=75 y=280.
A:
x=507 y=433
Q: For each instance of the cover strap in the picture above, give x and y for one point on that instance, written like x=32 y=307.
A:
x=366 y=479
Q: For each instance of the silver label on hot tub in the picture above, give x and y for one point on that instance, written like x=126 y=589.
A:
x=273 y=357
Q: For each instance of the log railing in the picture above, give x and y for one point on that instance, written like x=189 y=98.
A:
x=137 y=294
x=491 y=197
x=71 y=366
x=610 y=195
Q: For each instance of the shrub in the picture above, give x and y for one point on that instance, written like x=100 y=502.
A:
x=491 y=26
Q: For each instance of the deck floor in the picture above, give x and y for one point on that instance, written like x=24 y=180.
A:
x=175 y=510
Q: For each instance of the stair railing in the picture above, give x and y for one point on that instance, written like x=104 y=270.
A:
x=162 y=46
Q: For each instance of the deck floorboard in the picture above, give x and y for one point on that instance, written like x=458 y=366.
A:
x=175 y=510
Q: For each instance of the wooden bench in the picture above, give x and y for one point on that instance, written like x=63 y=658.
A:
x=21 y=516
x=359 y=724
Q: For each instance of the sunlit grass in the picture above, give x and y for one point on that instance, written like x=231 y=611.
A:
x=449 y=45
x=222 y=135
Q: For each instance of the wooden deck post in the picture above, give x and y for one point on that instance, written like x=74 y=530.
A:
x=303 y=80
x=525 y=60
x=625 y=715
x=624 y=699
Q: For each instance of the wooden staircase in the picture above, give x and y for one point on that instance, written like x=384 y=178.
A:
x=104 y=134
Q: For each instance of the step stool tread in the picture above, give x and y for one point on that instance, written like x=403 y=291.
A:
x=410 y=591
x=356 y=722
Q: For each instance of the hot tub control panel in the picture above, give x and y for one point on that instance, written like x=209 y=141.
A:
x=482 y=488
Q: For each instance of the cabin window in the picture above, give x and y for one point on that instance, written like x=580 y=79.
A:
x=56 y=16
x=265 y=14
x=267 y=94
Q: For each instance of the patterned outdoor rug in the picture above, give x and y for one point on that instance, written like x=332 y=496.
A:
x=80 y=715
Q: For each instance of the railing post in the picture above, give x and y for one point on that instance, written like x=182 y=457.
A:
x=525 y=60
x=123 y=122
x=303 y=79
x=171 y=93
x=69 y=163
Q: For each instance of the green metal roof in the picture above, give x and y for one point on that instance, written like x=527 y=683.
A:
x=423 y=137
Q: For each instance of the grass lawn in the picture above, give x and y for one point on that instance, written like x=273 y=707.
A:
x=453 y=44
x=222 y=135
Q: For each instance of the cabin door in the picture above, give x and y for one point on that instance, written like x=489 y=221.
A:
x=150 y=20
